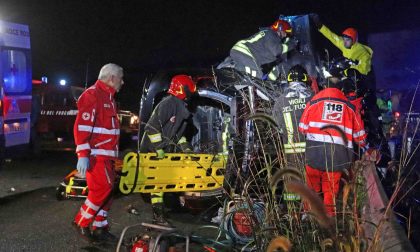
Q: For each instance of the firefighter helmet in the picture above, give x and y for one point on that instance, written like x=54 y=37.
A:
x=281 y=25
x=182 y=86
x=298 y=74
x=351 y=33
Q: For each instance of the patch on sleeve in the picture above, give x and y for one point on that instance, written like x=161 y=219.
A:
x=333 y=112
x=85 y=116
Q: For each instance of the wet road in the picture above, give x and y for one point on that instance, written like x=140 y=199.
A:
x=36 y=221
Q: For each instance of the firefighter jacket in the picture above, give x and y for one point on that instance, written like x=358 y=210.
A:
x=358 y=52
x=264 y=47
x=166 y=126
x=97 y=129
x=288 y=109
x=331 y=125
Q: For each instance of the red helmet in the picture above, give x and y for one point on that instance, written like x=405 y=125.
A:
x=281 y=25
x=182 y=86
x=351 y=33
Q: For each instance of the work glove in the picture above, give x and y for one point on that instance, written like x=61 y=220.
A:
x=160 y=154
x=83 y=165
x=315 y=19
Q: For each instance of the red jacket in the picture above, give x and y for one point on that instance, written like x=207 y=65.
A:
x=97 y=129
x=327 y=148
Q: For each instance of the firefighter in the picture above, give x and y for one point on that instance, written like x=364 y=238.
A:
x=96 y=134
x=263 y=48
x=331 y=125
x=164 y=132
x=288 y=109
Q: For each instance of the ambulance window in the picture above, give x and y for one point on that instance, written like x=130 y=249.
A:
x=15 y=72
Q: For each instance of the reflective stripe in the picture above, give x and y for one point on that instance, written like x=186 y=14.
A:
x=84 y=146
x=99 y=224
x=103 y=142
x=294 y=150
x=156 y=198
x=89 y=204
x=182 y=140
x=85 y=214
x=155 y=138
x=294 y=145
x=285 y=48
x=291 y=197
x=328 y=139
x=321 y=124
x=240 y=47
x=272 y=76
x=98 y=130
x=102 y=213
x=359 y=134
x=303 y=126
x=247 y=70
x=103 y=152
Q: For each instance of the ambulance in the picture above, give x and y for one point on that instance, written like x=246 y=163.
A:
x=15 y=87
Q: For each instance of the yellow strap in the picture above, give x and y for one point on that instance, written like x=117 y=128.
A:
x=70 y=184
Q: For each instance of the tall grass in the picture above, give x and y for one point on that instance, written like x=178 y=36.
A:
x=286 y=225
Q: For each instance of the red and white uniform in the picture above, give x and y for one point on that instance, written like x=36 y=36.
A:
x=328 y=152
x=96 y=133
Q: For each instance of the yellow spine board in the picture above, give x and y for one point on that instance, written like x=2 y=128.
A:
x=175 y=173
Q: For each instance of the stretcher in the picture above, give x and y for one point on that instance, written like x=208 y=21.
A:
x=177 y=172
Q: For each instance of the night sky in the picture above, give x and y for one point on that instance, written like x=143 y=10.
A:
x=144 y=35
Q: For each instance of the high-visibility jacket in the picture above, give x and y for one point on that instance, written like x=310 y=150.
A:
x=357 y=52
x=166 y=126
x=327 y=149
x=97 y=129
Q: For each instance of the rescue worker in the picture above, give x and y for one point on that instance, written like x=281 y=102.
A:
x=164 y=132
x=331 y=125
x=263 y=48
x=96 y=134
x=288 y=109
x=348 y=44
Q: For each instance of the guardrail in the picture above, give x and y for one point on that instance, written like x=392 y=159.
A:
x=392 y=236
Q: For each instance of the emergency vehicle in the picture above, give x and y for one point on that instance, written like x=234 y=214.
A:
x=58 y=110
x=15 y=87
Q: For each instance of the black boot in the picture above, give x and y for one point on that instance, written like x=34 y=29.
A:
x=159 y=215
x=103 y=235
x=83 y=232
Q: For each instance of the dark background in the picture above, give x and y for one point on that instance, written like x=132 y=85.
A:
x=72 y=39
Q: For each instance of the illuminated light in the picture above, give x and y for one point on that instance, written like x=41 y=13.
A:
x=60 y=139
x=36 y=82
x=134 y=119
x=63 y=82
x=397 y=114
